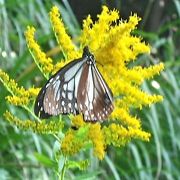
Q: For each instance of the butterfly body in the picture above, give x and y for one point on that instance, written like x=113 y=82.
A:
x=76 y=88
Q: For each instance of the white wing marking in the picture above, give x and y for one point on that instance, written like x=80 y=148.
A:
x=71 y=85
x=72 y=71
x=91 y=86
x=77 y=78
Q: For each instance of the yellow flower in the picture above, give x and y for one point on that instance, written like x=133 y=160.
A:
x=19 y=95
x=33 y=92
x=123 y=115
x=11 y=85
x=118 y=135
x=95 y=35
x=71 y=144
x=113 y=45
x=77 y=121
x=97 y=138
x=42 y=127
x=43 y=62
x=17 y=101
x=64 y=41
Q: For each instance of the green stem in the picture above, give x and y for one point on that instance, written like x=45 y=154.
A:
x=32 y=54
x=63 y=169
x=29 y=110
x=62 y=173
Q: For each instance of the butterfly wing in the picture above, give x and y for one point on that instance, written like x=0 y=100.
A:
x=59 y=93
x=77 y=87
x=94 y=97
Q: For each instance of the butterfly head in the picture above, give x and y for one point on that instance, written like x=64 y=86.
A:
x=88 y=56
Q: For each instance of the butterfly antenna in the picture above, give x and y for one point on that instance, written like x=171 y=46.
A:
x=99 y=63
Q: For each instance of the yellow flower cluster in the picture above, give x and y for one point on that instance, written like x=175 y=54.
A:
x=72 y=143
x=149 y=72
x=95 y=34
x=41 y=127
x=113 y=45
x=77 y=121
x=43 y=62
x=96 y=136
x=137 y=74
x=118 y=135
x=64 y=41
x=125 y=118
x=19 y=96
x=17 y=101
x=132 y=95
x=78 y=139
x=11 y=85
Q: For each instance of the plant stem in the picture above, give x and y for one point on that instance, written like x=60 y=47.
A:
x=63 y=169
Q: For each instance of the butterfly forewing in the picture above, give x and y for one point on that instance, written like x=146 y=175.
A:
x=76 y=88
x=58 y=94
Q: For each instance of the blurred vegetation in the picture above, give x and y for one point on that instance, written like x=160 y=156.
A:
x=25 y=155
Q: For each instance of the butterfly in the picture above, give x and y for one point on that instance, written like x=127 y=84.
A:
x=76 y=88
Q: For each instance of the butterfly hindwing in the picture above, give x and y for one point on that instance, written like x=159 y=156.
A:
x=94 y=97
x=103 y=95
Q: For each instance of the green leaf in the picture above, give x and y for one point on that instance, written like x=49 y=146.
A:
x=82 y=165
x=44 y=160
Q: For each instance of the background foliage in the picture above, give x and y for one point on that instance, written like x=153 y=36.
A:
x=25 y=155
